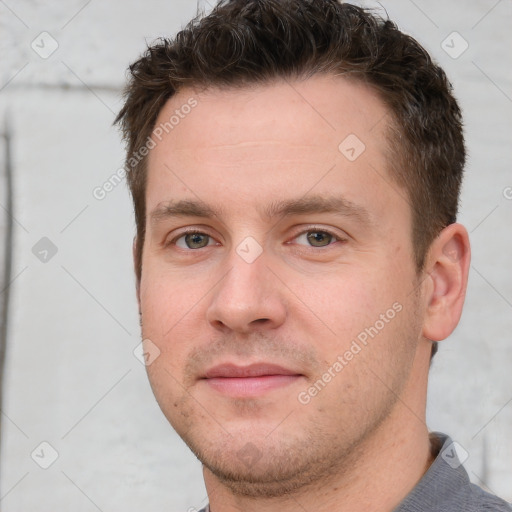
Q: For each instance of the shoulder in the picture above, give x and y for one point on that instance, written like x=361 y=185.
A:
x=479 y=500
x=465 y=495
x=446 y=485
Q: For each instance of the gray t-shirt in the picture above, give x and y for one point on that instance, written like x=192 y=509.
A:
x=445 y=487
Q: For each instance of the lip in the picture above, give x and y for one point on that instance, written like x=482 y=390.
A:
x=230 y=370
x=249 y=381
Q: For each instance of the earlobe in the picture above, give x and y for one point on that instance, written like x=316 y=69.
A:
x=448 y=261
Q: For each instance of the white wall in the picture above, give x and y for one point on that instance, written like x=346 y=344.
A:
x=71 y=378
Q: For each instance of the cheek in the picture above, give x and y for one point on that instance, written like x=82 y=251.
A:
x=167 y=299
x=168 y=312
x=343 y=302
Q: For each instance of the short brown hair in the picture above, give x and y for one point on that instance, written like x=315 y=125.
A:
x=244 y=42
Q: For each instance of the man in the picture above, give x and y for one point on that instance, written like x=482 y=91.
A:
x=295 y=168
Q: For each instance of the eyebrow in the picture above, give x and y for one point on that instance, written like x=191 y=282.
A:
x=317 y=204
x=302 y=206
x=182 y=208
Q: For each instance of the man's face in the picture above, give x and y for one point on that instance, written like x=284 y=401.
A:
x=287 y=321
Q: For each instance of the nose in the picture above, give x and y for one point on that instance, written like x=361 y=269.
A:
x=249 y=297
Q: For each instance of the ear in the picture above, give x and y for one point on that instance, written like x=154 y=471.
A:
x=135 y=263
x=448 y=267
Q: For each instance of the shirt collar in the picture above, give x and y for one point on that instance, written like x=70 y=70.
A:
x=443 y=483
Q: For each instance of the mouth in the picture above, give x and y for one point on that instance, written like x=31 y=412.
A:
x=249 y=381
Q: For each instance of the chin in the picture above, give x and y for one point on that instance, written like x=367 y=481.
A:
x=263 y=468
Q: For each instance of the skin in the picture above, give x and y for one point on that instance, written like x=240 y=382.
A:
x=361 y=442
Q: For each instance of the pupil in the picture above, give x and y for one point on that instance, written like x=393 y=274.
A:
x=195 y=240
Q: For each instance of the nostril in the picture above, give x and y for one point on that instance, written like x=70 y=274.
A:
x=261 y=320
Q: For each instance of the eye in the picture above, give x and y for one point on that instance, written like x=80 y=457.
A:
x=193 y=240
x=316 y=238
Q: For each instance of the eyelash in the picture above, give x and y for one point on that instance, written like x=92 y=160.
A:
x=312 y=229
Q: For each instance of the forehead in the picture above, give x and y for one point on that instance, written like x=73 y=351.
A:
x=236 y=147
x=319 y=111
